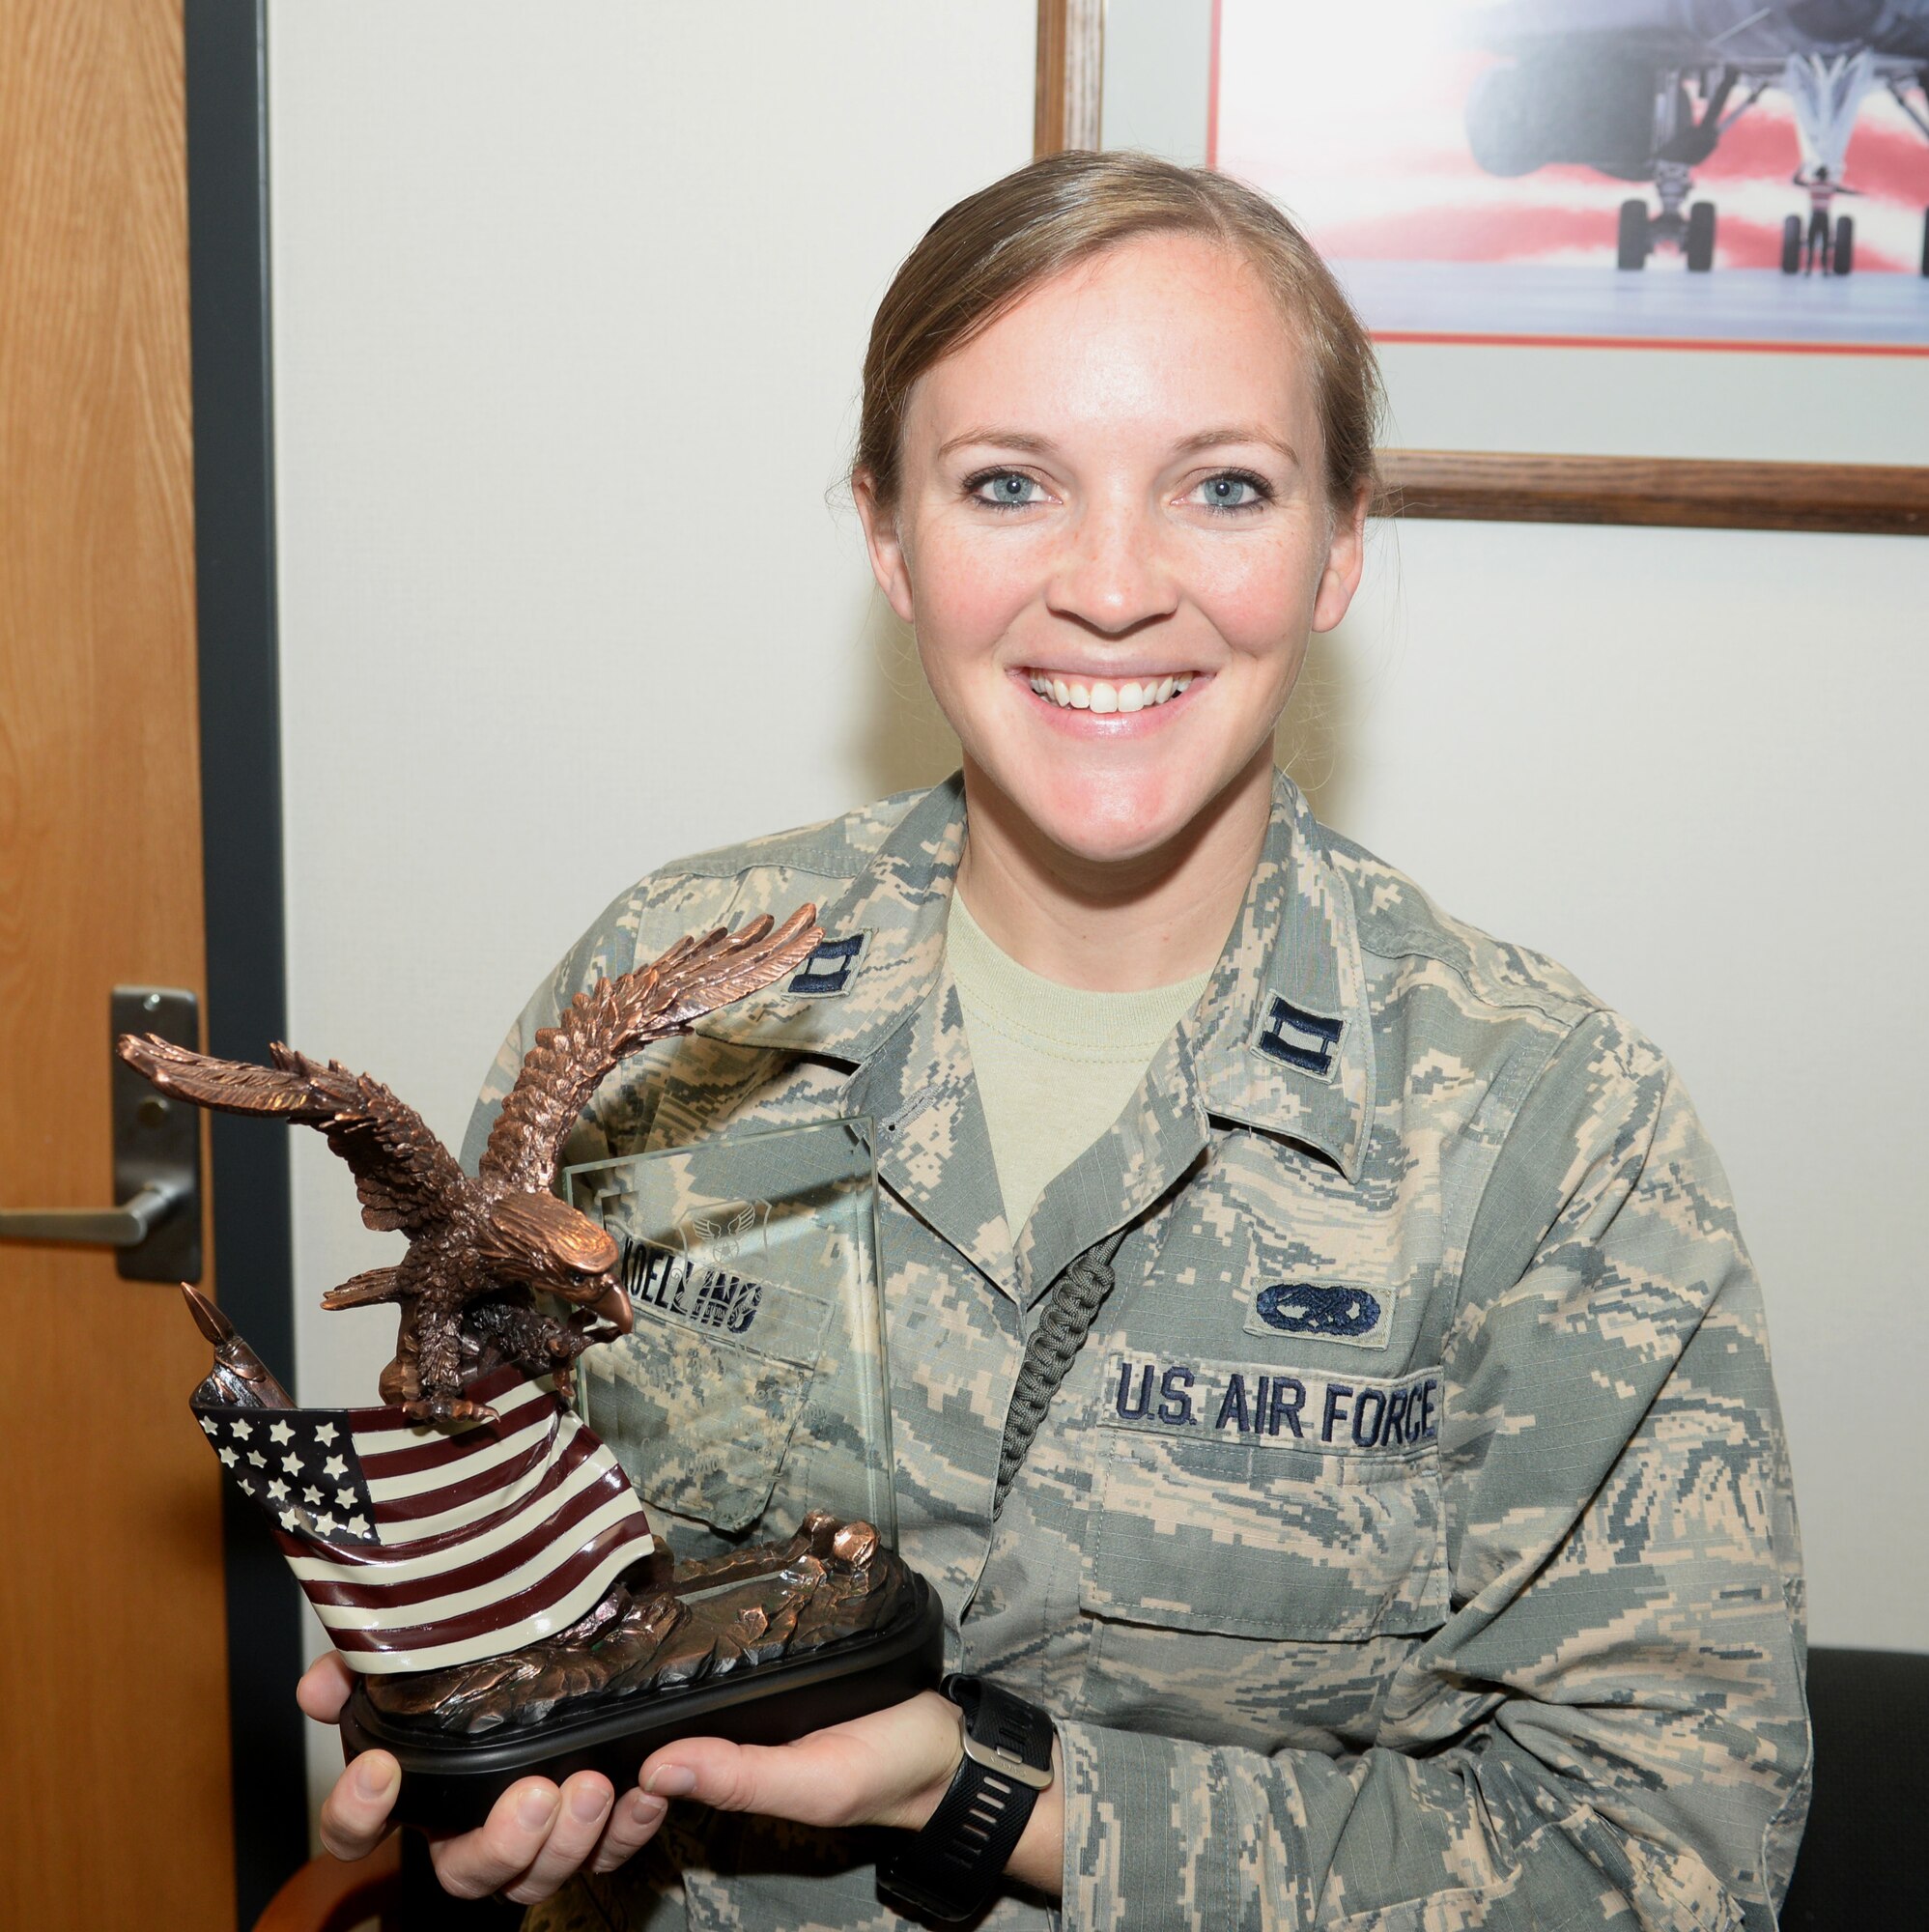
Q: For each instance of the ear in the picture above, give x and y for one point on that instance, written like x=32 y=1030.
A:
x=1346 y=559
x=885 y=547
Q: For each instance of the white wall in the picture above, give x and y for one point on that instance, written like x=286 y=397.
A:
x=1688 y=765
x=569 y=305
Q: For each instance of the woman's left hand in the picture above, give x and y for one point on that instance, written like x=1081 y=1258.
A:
x=889 y=1768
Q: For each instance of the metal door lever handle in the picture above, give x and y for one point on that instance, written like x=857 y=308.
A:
x=126 y=1226
x=156 y=1228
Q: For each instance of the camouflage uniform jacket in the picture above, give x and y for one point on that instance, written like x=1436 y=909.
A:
x=1411 y=1545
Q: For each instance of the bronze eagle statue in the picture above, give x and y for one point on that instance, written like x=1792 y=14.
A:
x=477 y=1248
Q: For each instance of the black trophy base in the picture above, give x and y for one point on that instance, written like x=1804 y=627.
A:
x=451 y=1781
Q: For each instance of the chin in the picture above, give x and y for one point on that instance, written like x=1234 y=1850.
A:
x=1111 y=823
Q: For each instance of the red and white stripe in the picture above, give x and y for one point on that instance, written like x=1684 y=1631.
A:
x=487 y=1537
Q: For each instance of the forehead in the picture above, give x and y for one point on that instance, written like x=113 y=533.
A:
x=1160 y=334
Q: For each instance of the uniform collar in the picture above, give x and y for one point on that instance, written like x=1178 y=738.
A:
x=1282 y=1039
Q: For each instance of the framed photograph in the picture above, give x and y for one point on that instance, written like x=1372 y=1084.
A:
x=1649 y=261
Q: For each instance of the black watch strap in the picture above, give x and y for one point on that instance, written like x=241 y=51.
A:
x=952 y=1867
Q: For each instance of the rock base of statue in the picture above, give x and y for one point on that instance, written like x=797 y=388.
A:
x=762 y=1646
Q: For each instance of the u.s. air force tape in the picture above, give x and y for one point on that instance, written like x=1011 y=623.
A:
x=1287 y=1409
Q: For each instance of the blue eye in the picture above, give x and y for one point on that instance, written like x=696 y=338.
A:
x=1004 y=489
x=1233 y=490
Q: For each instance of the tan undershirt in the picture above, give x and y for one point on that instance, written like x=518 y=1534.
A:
x=1055 y=1064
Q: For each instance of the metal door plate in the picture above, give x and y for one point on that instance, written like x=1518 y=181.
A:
x=156 y=1139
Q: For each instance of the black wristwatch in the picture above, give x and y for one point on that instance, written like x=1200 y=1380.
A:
x=952 y=1867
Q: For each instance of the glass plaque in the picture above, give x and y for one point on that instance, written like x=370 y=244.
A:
x=752 y=1388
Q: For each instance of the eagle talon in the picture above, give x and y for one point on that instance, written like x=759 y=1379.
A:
x=447 y=1408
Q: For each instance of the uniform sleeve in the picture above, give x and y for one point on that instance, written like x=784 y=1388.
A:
x=1610 y=1726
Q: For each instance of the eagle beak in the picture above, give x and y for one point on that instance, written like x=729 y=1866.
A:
x=612 y=1306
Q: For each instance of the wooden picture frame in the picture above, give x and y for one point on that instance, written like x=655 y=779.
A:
x=1885 y=500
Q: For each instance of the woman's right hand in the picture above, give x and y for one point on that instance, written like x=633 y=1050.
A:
x=535 y=1840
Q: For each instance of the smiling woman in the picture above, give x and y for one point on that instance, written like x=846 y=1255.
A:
x=1123 y=484
x=1330 y=1394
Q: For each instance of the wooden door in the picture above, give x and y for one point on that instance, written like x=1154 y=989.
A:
x=114 y=1784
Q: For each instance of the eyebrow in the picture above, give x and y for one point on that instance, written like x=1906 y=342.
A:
x=999 y=438
x=1217 y=438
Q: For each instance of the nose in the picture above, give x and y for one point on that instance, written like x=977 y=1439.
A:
x=1111 y=577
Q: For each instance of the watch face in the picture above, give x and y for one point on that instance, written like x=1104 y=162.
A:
x=951 y=1868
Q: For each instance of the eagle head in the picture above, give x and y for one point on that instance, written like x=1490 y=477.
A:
x=542 y=1241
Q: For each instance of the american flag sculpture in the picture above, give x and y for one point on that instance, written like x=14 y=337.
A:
x=421 y=1546
x=472 y=1513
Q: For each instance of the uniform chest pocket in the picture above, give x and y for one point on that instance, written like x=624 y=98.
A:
x=1264 y=1503
x=700 y=1428
x=701 y=1421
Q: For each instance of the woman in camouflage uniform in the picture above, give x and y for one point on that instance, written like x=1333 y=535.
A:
x=1361 y=1442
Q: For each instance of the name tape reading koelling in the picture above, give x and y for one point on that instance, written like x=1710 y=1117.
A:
x=695 y=1291
x=1234 y=1401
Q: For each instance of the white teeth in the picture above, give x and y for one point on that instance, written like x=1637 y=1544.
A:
x=1101 y=696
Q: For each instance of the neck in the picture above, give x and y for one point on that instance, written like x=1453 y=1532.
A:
x=1112 y=925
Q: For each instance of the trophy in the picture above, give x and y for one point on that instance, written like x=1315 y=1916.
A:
x=512 y=1597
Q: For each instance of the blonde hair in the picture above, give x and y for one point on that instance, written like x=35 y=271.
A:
x=985 y=254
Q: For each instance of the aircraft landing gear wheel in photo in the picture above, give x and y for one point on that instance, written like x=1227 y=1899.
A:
x=1791 y=246
x=1631 y=251
x=1845 y=246
x=1699 y=246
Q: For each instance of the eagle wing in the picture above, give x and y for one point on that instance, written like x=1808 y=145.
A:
x=615 y=1017
x=406 y=1179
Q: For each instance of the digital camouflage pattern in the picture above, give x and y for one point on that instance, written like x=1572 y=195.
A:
x=1411 y=1545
